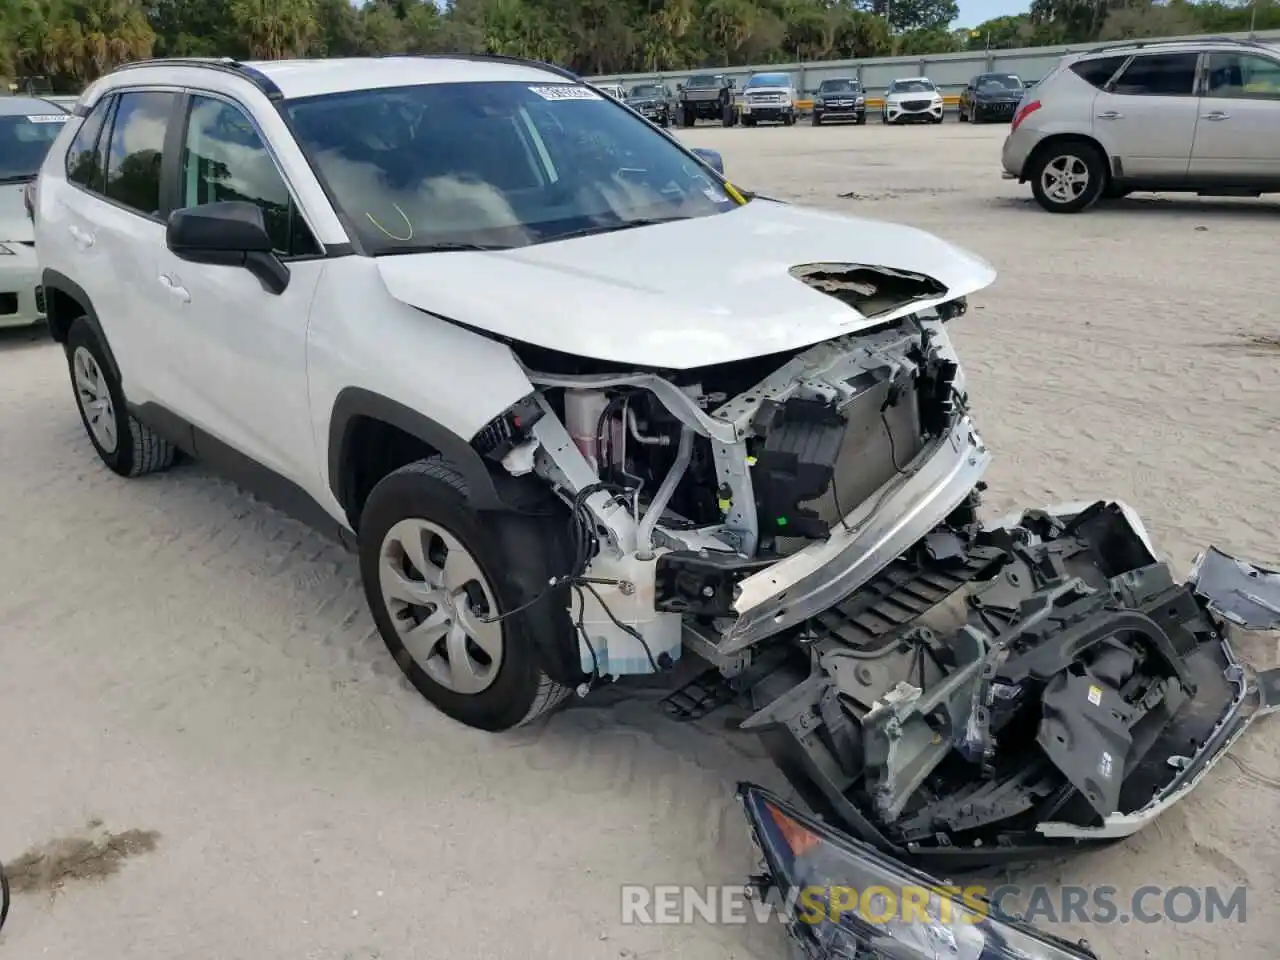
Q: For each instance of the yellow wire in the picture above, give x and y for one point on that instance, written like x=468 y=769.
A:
x=388 y=232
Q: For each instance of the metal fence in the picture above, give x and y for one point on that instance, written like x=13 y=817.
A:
x=948 y=71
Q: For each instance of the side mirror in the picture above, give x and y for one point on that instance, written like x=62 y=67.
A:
x=711 y=158
x=228 y=234
x=679 y=86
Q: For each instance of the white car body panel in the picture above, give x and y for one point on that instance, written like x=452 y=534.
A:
x=19 y=271
x=553 y=294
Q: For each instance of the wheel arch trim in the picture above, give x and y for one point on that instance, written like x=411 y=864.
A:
x=355 y=403
x=54 y=281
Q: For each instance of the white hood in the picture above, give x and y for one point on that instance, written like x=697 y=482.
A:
x=15 y=225
x=685 y=294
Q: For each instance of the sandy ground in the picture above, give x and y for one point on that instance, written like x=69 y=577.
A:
x=177 y=659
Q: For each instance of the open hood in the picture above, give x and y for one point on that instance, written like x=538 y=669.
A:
x=760 y=279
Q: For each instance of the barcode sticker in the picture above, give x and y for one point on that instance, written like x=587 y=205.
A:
x=565 y=92
x=49 y=118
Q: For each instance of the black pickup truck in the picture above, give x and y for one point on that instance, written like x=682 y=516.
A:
x=706 y=96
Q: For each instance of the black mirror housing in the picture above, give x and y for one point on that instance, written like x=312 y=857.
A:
x=233 y=226
x=231 y=233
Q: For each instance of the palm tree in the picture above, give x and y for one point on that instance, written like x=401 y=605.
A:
x=275 y=29
x=87 y=38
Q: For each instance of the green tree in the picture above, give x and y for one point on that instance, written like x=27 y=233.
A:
x=275 y=29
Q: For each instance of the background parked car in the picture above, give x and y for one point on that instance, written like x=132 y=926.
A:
x=912 y=100
x=839 y=98
x=991 y=96
x=706 y=96
x=769 y=98
x=1195 y=116
x=28 y=125
x=652 y=101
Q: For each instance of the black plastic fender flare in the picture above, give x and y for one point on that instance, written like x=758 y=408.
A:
x=52 y=281
x=353 y=403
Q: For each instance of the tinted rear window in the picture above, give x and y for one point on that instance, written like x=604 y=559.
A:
x=1098 y=72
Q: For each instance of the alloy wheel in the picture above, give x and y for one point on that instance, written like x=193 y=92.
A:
x=94 y=399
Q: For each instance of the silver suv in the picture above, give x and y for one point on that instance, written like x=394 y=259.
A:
x=1200 y=116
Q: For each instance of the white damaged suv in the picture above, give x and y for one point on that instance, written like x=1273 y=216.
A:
x=456 y=309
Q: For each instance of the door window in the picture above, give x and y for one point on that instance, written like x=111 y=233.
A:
x=85 y=165
x=224 y=158
x=1243 y=76
x=1159 y=75
x=136 y=150
x=1098 y=71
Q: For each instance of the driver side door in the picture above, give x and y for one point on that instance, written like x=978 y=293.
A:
x=242 y=349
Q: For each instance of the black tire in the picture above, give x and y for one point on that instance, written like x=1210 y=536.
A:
x=138 y=450
x=860 y=119
x=962 y=117
x=727 y=117
x=1093 y=162
x=816 y=119
x=789 y=120
x=748 y=121
x=690 y=118
x=517 y=565
x=1114 y=191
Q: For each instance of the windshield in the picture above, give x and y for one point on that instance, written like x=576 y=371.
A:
x=911 y=86
x=999 y=81
x=648 y=90
x=839 y=86
x=702 y=80
x=495 y=164
x=769 y=80
x=24 y=141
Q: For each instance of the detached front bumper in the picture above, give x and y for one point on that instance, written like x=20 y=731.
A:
x=874 y=534
x=21 y=297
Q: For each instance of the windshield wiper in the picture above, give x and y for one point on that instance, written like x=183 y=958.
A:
x=611 y=228
x=445 y=245
x=17 y=178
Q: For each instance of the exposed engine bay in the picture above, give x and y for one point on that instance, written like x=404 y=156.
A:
x=946 y=690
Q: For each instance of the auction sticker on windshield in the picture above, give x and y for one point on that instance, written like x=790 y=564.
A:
x=565 y=92
x=49 y=118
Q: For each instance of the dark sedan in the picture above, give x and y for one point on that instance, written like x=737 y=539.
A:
x=652 y=101
x=991 y=96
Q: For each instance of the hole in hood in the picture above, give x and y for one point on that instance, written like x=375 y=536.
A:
x=870 y=290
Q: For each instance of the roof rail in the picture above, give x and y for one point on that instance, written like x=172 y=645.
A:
x=1136 y=44
x=494 y=58
x=225 y=64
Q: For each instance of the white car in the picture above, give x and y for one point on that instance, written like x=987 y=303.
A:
x=28 y=125
x=456 y=310
x=912 y=100
x=615 y=90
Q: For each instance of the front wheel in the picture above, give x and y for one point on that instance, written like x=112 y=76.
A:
x=443 y=585
x=962 y=117
x=860 y=119
x=1068 y=177
x=816 y=120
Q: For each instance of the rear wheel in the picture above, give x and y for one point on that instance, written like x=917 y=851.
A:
x=1068 y=176
x=439 y=580
x=126 y=445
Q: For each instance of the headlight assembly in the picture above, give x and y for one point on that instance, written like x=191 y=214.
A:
x=845 y=900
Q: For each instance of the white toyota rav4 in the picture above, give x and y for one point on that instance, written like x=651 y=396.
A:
x=456 y=308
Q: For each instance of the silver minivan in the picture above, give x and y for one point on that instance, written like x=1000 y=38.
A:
x=1197 y=116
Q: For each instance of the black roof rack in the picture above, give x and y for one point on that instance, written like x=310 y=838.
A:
x=1136 y=44
x=225 y=64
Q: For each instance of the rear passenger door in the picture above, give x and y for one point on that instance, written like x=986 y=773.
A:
x=1237 y=138
x=1146 y=116
x=116 y=226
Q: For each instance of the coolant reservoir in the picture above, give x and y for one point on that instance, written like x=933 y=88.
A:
x=582 y=410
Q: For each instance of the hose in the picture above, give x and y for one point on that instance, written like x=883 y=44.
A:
x=644 y=535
